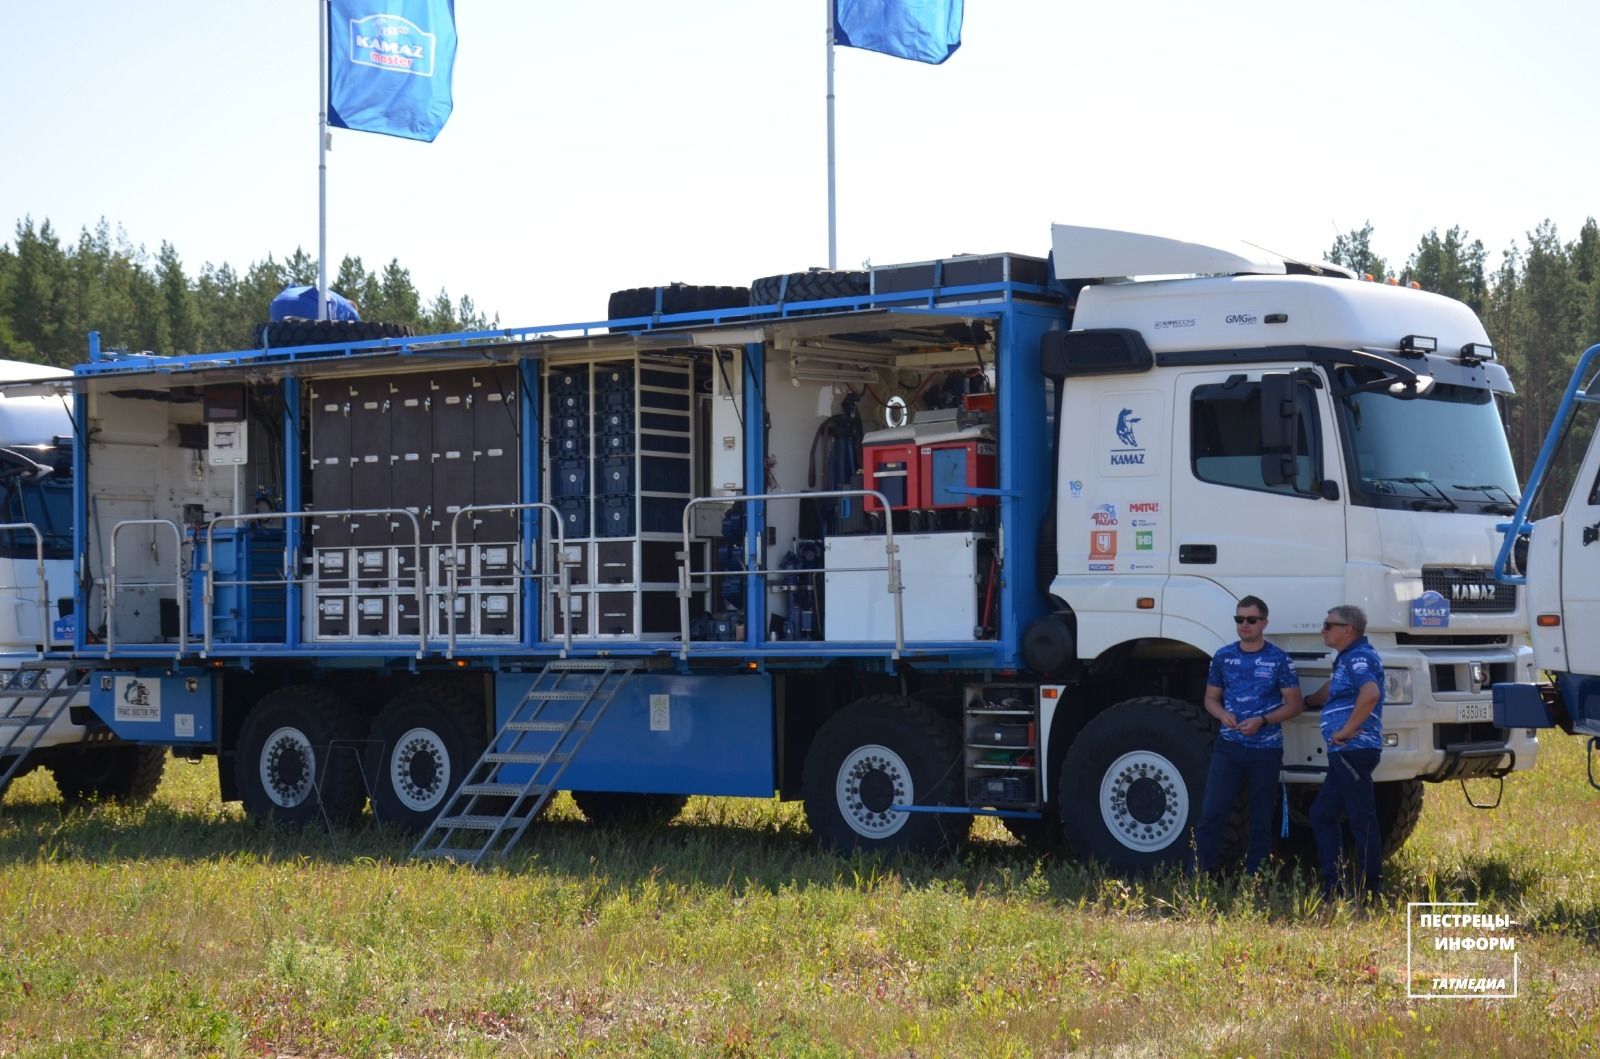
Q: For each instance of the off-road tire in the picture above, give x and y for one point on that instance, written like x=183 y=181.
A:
x=295 y=742
x=615 y=809
x=1132 y=782
x=281 y=333
x=815 y=285
x=901 y=752
x=128 y=774
x=424 y=742
x=675 y=298
x=1399 y=808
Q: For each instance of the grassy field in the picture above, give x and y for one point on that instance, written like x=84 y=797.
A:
x=179 y=929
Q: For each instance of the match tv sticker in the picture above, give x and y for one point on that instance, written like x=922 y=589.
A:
x=1456 y=953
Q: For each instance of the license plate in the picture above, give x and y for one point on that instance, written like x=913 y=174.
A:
x=1474 y=711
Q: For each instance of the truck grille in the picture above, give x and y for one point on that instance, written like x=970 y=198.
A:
x=1470 y=589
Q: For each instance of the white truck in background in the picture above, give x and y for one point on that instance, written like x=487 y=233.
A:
x=1556 y=562
x=45 y=721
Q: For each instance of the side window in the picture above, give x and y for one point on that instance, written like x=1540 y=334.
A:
x=1225 y=438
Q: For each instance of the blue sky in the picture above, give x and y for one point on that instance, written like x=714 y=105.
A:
x=632 y=142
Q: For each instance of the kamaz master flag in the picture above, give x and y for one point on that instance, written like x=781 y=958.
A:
x=389 y=65
x=928 y=31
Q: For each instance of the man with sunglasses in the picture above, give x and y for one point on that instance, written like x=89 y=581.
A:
x=1252 y=688
x=1352 y=723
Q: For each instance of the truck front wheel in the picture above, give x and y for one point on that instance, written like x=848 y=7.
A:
x=299 y=756
x=1132 y=781
x=875 y=754
x=426 y=740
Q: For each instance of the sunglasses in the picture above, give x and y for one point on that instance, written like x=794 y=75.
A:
x=1335 y=625
x=1247 y=619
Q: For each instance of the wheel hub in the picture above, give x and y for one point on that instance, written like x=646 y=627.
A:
x=1144 y=801
x=872 y=780
x=419 y=771
x=288 y=767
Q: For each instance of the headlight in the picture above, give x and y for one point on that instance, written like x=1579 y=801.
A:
x=1397 y=687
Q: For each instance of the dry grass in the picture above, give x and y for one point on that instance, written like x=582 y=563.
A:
x=179 y=929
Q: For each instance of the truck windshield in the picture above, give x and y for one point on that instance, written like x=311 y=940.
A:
x=48 y=505
x=1444 y=451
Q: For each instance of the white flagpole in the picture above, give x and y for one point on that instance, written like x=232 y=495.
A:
x=322 y=162
x=833 y=232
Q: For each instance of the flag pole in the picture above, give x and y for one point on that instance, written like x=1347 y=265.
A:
x=322 y=161
x=833 y=231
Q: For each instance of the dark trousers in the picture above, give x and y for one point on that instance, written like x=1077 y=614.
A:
x=1348 y=793
x=1234 y=767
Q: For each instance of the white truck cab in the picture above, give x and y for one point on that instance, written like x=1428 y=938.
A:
x=1290 y=432
x=38 y=726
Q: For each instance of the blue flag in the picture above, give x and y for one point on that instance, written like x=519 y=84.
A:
x=928 y=31
x=389 y=65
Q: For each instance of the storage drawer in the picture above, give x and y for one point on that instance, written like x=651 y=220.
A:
x=615 y=613
x=616 y=562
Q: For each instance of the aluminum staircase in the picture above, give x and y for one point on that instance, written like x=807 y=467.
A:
x=32 y=698
x=489 y=812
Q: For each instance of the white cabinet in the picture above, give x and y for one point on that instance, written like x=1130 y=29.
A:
x=939 y=572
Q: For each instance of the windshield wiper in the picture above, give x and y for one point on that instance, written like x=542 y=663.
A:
x=1508 y=506
x=1438 y=500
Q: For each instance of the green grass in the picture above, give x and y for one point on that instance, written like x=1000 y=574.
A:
x=179 y=929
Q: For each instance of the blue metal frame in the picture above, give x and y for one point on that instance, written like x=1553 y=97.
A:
x=533 y=522
x=1519 y=523
x=1023 y=492
x=293 y=530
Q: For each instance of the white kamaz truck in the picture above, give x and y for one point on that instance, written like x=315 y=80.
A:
x=941 y=539
x=44 y=716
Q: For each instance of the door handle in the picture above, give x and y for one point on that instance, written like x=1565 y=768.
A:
x=1197 y=553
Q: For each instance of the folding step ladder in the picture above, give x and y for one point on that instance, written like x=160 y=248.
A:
x=32 y=698
x=488 y=814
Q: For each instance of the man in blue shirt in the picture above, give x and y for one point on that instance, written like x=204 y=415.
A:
x=1251 y=690
x=1352 y=724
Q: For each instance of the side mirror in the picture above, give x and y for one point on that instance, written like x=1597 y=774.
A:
x=1280 y=415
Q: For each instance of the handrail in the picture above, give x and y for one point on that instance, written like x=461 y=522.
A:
x=562 y=575
x=44 y=588
x=686 y=574
x=179 y=582
x=291 y=569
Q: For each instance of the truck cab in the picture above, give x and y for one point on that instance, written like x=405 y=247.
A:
x=1293 y=433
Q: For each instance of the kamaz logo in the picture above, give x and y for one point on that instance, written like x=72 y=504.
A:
x=1469 y=593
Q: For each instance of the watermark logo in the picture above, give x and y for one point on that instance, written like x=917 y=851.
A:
x=1456 y=953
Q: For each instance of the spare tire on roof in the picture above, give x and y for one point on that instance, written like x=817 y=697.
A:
x=280 y=333
x=817 y=284
x=674 y=298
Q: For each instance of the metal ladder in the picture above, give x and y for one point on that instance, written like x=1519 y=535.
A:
x=30 y=702
x=487 y=815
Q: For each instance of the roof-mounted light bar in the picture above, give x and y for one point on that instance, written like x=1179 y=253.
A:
x=1419 y=345
x=1476 y=353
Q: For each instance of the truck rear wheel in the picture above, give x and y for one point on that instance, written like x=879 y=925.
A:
x=426 y=739
x=1132 y=780
x=128 y=774
x=626 y=810
x=874 y=754
x=299 y=756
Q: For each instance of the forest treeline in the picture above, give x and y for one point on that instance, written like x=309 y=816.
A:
x=1540 y=301
x=53 y=293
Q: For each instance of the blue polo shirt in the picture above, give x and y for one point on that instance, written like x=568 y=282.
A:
x=1356 y=667
x=1252 y=684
